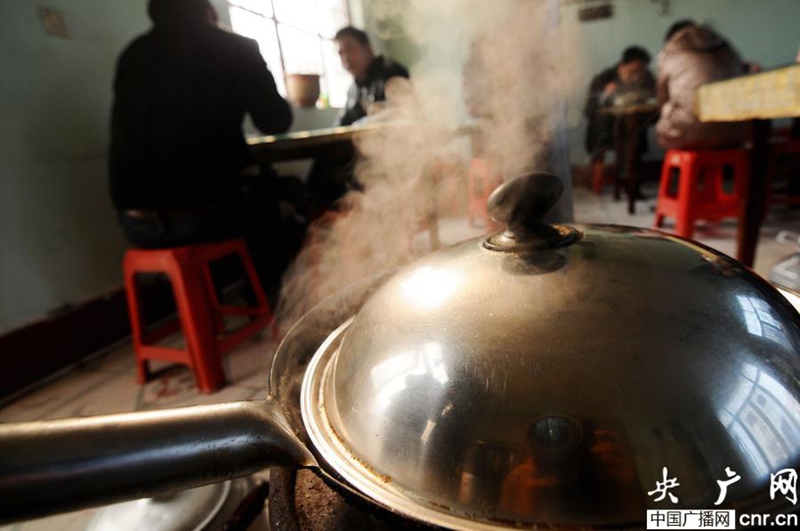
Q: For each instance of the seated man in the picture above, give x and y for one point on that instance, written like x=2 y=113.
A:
x=177 y=146
x=630 y=80
x=370 y=74
x=692 y=56
x=331 y=178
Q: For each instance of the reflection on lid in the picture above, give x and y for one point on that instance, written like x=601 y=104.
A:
x=393 y=375
x=764 y=419
x=759 y=320
x=429 y=288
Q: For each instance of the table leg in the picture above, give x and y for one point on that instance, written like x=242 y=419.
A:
x=619 y=155
x=755 y=196
x=632 y=160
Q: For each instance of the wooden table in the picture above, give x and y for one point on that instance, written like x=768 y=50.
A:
x=332 y=142
x=630 y=119
x=755 y=99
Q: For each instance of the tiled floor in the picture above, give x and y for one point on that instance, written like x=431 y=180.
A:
x=590 y=208
x=107 y=384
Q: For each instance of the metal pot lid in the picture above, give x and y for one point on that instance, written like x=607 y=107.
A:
x=553 y=375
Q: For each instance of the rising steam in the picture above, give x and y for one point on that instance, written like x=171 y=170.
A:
x=502 y=63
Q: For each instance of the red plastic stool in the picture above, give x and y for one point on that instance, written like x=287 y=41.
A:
x=700 y=192
x=778 y=149
x=598 y=176
x=483 y=179
x=200 y=313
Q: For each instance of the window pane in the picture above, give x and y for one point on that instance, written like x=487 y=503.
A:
x=263 y=31
x=301 y=14
x=333 y=17
x=301 y=51
x=338 y=79
x=263 y=7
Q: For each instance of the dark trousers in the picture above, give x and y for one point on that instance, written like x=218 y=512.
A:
x=329 y=180
x=253 y=215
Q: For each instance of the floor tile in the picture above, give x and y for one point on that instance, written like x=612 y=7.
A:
x=57 y=395
x=248 y=364
x=119 y=360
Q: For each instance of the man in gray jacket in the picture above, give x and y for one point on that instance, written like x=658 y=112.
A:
x=692 y=56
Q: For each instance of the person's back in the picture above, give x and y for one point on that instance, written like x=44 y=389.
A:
x=693 y=56
x=181 y=93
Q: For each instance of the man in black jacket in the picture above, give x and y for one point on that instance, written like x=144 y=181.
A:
x=177 y=146
x=331 y=178
x=370 y=73
x=630 y=75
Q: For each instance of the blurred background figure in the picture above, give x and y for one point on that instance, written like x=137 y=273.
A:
x=177 y=146
x=332 y=178
x=370 y=74
x=692 y=56
x=628 y=82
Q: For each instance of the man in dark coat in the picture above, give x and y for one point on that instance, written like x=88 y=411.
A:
x=629 y=78
x=177 y=146
x=331 y=178
x=370 y=74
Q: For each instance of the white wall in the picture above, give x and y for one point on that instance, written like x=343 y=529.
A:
x=766 y=31
x=59 y=241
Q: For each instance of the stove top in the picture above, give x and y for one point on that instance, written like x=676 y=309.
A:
x=301 y=501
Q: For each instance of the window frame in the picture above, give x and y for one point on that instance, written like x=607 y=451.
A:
x=276 y=22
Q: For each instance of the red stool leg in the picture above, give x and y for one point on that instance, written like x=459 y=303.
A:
x=597 y=176
x=663 y=191
x=687 y=189
x=208 y=281
x=742 y=176
x=134 y=303
x=483 y=179
x=197 y=323
x=255 y=283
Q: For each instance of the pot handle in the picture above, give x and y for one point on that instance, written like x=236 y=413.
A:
x=64 y=465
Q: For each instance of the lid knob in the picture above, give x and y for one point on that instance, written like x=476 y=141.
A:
x=521 y=204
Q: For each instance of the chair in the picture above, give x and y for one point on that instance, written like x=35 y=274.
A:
x=700 y=191
x=201 y=315
x=483 y=179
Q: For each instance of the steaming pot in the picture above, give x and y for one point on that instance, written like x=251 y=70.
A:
x=550 y=374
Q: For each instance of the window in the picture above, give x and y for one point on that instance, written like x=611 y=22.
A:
x=296 y=37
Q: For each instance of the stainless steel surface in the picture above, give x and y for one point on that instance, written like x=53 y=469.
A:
x=792 y=296
x=53 y=466
x=482 y=387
